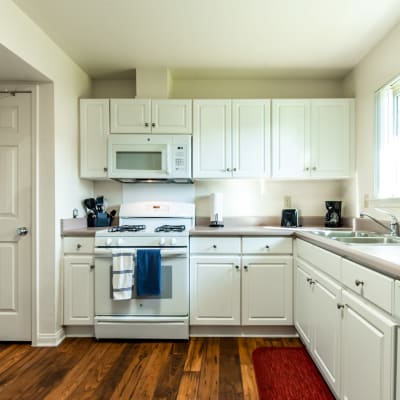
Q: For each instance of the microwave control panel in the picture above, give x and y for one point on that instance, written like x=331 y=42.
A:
x=180 y=157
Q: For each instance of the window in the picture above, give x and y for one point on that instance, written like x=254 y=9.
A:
x=387 y=179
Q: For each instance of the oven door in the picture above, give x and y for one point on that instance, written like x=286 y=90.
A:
x=174 y=298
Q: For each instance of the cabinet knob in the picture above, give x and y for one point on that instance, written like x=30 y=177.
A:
x=228 y=170
x=153 y=124
x=306 y=169
x=237 y=267
x=146 y=124
x=246 y=267
x=267 y=246
x=314 y=168
x=359 y=283
x=78 y=246
x=105 y=169
x=92 y=266
x=340 y=306
x=214 y=246
x=234 y=169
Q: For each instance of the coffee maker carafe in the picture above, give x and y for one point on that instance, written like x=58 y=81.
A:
x=333 y=217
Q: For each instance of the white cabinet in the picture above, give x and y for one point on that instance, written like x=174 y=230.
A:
x=367 y=352
x=312 y=138
x=78 y=281
x=230 y=287
x=170 y=116
x=94 y=131
x=317 y=319
x=215 y=290
x=351 y=340
x=231 y=138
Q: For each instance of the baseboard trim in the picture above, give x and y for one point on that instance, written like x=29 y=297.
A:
x=242 y=331
x=50 y=339
x=79 y=331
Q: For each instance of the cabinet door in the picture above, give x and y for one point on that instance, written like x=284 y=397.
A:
x=331 y=132
x=251 y=138
x=215 y=290
x=171 y=116
x=326 y=334
x=267 y=287
x=290 y=138
x=130 y=115
x=78 y=290
x=367 y=352
x=212 y=147
x=302 y=302
x=94 y=131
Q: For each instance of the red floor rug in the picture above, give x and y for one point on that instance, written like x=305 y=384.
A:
x=288 y=373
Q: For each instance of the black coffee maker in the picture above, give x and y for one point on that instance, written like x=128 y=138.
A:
x=333 y=217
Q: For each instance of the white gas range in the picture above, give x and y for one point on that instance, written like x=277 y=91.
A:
x=160 y=226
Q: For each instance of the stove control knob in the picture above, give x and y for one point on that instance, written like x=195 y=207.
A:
x=173 y=241
x=162 y=241
x=120 y=242
x=108 y=241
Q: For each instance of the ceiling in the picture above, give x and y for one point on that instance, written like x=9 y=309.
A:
x=216 y=38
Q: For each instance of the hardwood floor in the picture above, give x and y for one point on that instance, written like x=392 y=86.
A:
x=82 y=368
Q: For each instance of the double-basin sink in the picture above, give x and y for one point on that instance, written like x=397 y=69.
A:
x=358 y=237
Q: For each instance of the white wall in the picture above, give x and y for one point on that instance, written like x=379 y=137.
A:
x=60 y=187
x=256 y=88
x=378 y=67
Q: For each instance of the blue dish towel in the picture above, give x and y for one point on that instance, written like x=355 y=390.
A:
x=148 y=272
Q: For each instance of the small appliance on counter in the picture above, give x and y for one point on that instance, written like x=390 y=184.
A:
x=333 y=217
x=96 y=214
x=290 y=217
x=216 y=208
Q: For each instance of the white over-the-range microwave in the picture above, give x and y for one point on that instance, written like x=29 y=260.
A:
x=137 y=157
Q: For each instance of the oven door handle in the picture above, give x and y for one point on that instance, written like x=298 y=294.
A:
x=106 y=252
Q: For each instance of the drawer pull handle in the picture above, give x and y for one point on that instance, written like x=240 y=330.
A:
x=214 y=246
x=78 y=246
x=359 y=283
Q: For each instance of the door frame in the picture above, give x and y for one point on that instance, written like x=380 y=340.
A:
x=34 y=203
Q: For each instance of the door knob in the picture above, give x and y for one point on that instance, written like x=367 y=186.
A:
x=22 y=231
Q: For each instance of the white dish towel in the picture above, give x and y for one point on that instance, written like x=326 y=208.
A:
x=122 y=275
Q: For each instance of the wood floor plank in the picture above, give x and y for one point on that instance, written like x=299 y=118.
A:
x=246 y=348
x=195 y=355
x=188 y=386
x=230 y=379
x=209 y=375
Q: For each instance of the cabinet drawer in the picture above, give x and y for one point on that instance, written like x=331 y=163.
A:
x=215 y=245
x=369 y=284
x=320 y=258
x=267 y=245
x=78 y=245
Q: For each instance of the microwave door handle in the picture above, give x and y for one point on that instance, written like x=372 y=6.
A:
x=168 y=160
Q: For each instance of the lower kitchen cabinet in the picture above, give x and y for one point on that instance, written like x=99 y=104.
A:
x=351 y=340
x=367 y=352
x=236 y=289
x=317 y=319
x=78 y=281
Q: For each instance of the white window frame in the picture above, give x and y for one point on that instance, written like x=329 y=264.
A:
x=387 y=150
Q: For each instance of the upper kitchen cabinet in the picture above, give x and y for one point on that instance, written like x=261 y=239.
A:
x=312 y=138
x=151 y=116
x=94 y=131
x=231 y=138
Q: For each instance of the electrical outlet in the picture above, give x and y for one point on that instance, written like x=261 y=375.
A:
x=287 y=202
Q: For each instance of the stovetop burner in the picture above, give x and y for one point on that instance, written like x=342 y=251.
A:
x=127 y=228
x=170 y=228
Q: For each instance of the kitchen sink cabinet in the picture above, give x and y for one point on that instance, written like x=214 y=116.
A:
x=78 y=281
x=345 y=329
x=231 y=138
x=94 y=131
x=170 y=116
x=239 y=288
x=317 y=319
x=312 y=138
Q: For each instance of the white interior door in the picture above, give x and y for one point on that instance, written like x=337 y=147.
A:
x=15 y=213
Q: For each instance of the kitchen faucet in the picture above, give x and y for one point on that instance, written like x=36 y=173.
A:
x=394 y=223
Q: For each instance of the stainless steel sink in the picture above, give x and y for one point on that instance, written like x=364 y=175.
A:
x=369 y=240
x=344 y=233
